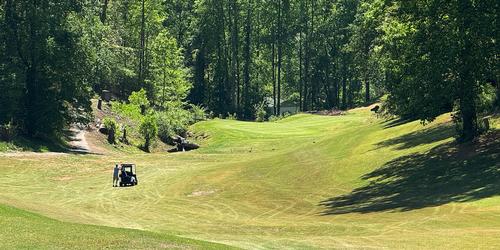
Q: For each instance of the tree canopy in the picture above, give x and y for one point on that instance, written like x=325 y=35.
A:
x=230 y=56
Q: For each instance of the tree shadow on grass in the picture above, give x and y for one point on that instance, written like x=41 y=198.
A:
x=38 y=145
x=54 y=145
x=447 y=173
x=397 y=121
x=420 y=137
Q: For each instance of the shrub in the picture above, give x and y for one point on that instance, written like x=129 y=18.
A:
x=140 y=100
x=148 y=130
x=260 y=112
x=231 y=116
x=8 y=131
x=173 y=121
x=486 y=101
x=127 y=110
x=111 y=127
x=135 y=109
x=274 y=118
x=198 y=113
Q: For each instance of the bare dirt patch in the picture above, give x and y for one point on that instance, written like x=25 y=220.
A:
x=201 y=193
x=63 y=178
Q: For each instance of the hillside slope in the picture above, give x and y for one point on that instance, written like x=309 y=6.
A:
x=307 y=181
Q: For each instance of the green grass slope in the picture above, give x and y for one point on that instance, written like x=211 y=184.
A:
x=307 y=181
x=21 y=229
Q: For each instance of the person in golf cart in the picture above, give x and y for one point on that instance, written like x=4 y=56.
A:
x=128 y=176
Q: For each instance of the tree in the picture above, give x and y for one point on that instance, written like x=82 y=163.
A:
x=45 y=66
x=169 y=76
x=427 y=80
x=149 y=130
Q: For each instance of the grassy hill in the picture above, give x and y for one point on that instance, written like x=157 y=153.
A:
x=307 y=181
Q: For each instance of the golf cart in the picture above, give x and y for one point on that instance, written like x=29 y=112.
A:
x=128 y=175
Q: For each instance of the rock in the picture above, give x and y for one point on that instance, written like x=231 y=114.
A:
x=103 y=130
x=181 y=145
x=106 y=95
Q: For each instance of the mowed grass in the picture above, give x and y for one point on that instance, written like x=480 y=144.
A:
x=307 y=181
x=21 y=229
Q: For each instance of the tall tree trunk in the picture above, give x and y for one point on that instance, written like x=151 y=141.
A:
x=235 y=51
x=344 y=87
x=467 y=89
x=142 y=45
x=32 y=81
x=280 y=55
x=301 y=80
x=104 y=11
x=313 y=84
x=273 y=66
x=367 y=90
x=248 y=60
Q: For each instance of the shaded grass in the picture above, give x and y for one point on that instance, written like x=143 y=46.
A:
x=447 y=173
x=33 y=145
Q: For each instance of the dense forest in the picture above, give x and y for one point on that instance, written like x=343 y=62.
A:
x=233 y=56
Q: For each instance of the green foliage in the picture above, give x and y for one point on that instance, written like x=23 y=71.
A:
x=428 y=55
x=137 y=101
x=111 y=127
x=44 y=75
x=199 y=113
x=139 y=98
x=486 y=99
x=260 y=112
x=232 y=116
x=438 y=54
x=149 y=130
x=274 y=118
x=127 y=110
x=169 y=75
x=173 y=121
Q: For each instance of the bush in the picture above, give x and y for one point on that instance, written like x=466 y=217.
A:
x=198 y=113
x=173 y=121
x=231 y=116
x=260 y=112
x=111 y=127
x=140 y=100
x=274 y=118
x=148 y=130
x=127 y=110
x=8 y=131
x=135 y=109
x=486 y=100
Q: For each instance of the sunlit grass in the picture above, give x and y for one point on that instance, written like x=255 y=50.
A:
x=303 y=182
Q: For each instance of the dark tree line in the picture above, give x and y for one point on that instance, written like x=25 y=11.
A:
x=428 y=57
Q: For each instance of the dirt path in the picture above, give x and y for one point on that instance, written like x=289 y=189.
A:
x=78 y=142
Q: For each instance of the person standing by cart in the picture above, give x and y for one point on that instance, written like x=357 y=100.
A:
x=116 y=172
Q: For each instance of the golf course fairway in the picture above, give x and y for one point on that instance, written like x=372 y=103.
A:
x=304 y=182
